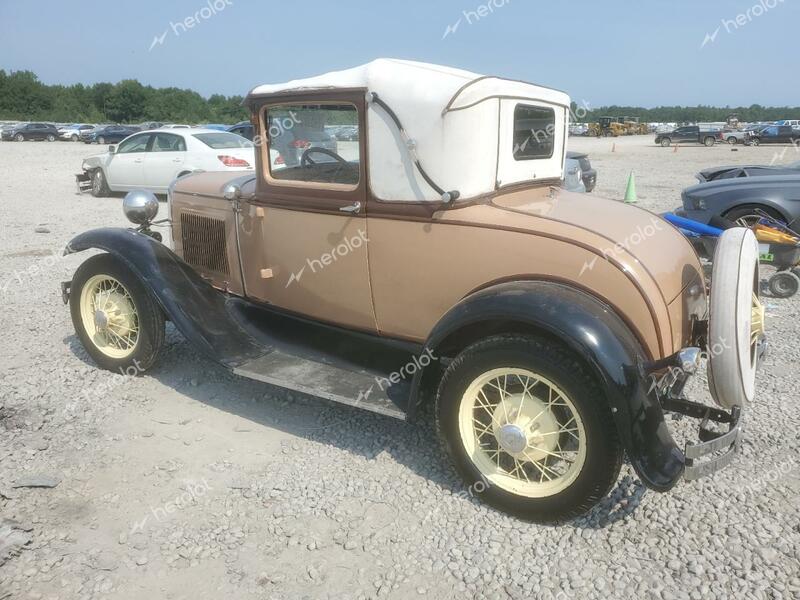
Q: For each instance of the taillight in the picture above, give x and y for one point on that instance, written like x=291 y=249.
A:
x=301 y=144
x=232 y=161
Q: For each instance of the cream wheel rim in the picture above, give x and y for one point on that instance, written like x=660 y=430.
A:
x=522 y=432
x=109 y=316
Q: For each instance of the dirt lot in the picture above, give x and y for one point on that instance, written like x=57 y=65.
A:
x=190 y=482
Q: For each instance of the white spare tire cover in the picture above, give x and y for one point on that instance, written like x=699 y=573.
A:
x=735 y=319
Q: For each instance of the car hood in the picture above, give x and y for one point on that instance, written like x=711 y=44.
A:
x=761 y=183
x=641 y=242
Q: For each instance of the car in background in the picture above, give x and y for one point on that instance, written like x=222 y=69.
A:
x=73 y=132
x=7 y=127
x=737 y=136
x=588 y=174
x=789 y=122
x=736 y=171
x=243 y=128
x=110 y=134
x=581 y=129
x=151 y=160
x=31 y=131
x=147 y=125
x=744 y=200
x=214 y=126
x=176 y=126
x=774 y=134
x=690 y=134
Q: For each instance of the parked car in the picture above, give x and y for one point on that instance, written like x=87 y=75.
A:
x=588 y=174
x=244 y=129
x=214 y=126
x=789 y=123
x=743 y=199
x=735 y=171
x=176 y=126
x=550 y=345
x=110 y=134
x=73 y=132
x=690 y=134
x=774 y=134
x=31 y=131
x=151 y=160
x=736 y=136
x=147 y=125
x=6 y=127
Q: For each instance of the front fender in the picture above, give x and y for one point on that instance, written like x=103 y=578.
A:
x=596 y=333
x=197 y=309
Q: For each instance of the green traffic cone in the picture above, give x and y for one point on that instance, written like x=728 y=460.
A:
x=630 y=190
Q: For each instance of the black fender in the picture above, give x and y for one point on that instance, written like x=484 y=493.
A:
x=197 y=309
x=592 y=330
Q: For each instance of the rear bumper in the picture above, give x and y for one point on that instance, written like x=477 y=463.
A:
x=717 y=445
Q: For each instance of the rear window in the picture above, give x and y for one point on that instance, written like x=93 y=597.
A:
x=534 y=132
x=223 y=140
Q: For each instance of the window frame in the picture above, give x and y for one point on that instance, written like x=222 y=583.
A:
x=266 y=162
x=523 y=105
x=147 y=146
x=152 y=144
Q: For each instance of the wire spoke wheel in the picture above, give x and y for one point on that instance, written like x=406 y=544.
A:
x=522 y=432
x=109 y=316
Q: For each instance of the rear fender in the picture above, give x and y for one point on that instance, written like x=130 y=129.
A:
x=597 y=334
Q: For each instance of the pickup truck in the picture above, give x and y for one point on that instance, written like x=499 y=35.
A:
x=691 y=134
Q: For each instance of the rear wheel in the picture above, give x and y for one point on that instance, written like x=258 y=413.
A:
x=755 y=142
x=708 y=142
x=749 y=216
x=115 y=317
x=74 y=137
x=19 y=137
x=665 y=142
x=732 y=141
x=527 y=428
x=51 y=137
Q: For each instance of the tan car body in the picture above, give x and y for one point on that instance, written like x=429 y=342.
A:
x=395 y=268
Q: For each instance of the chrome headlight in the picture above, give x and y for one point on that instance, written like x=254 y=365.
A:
x=140 y=206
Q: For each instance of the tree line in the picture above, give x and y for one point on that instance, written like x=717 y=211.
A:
x=24 y=98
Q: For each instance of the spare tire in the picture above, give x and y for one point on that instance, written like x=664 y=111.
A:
x=736 y=319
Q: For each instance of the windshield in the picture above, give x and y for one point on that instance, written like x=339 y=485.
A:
x=222 y=140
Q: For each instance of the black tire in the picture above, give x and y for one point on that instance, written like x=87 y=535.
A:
x=99 y=184
x=665 y=142
x=709 y=141
x=19 y=137
x=74 y=137
x=733 y=141
x=748 y=215
x=784 y=284
x=548 y=359
x=50 y=137
x=101 y=140
x=149 y=314
x=755 y=142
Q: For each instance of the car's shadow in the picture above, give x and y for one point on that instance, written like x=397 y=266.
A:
x=184 y=370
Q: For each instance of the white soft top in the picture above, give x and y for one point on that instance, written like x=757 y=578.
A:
x=462 y=124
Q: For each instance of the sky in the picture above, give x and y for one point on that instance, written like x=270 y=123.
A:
x=649 y=53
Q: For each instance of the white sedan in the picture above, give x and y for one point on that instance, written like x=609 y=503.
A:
x=151 y=160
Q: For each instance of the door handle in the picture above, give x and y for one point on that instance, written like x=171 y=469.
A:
x=138 y=160
x=353 y=208
x=177 y=160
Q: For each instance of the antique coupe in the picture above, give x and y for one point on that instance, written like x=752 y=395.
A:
x=434 y=258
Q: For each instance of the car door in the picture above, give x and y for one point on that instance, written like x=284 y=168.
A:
x=303 y=235
x=163 y=160
x=35 y=131
x=125 y=169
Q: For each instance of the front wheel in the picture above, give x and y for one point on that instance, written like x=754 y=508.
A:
x=732 y=141
x=754 y=142
x=708 y=142
x=74 y=137
x=528 y=428
x=19 y=137
x=51 y=137
x=115 y=317
x=665 y=142
x=99 y=184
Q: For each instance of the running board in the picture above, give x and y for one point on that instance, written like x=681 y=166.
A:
x=334 y=364
x=370 y=391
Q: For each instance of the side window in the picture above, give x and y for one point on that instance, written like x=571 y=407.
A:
x=137 y=143
x=167 y=142
x=307 y=152
x=534 y=132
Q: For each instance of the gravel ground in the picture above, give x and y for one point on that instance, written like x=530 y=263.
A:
x=192 y=482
